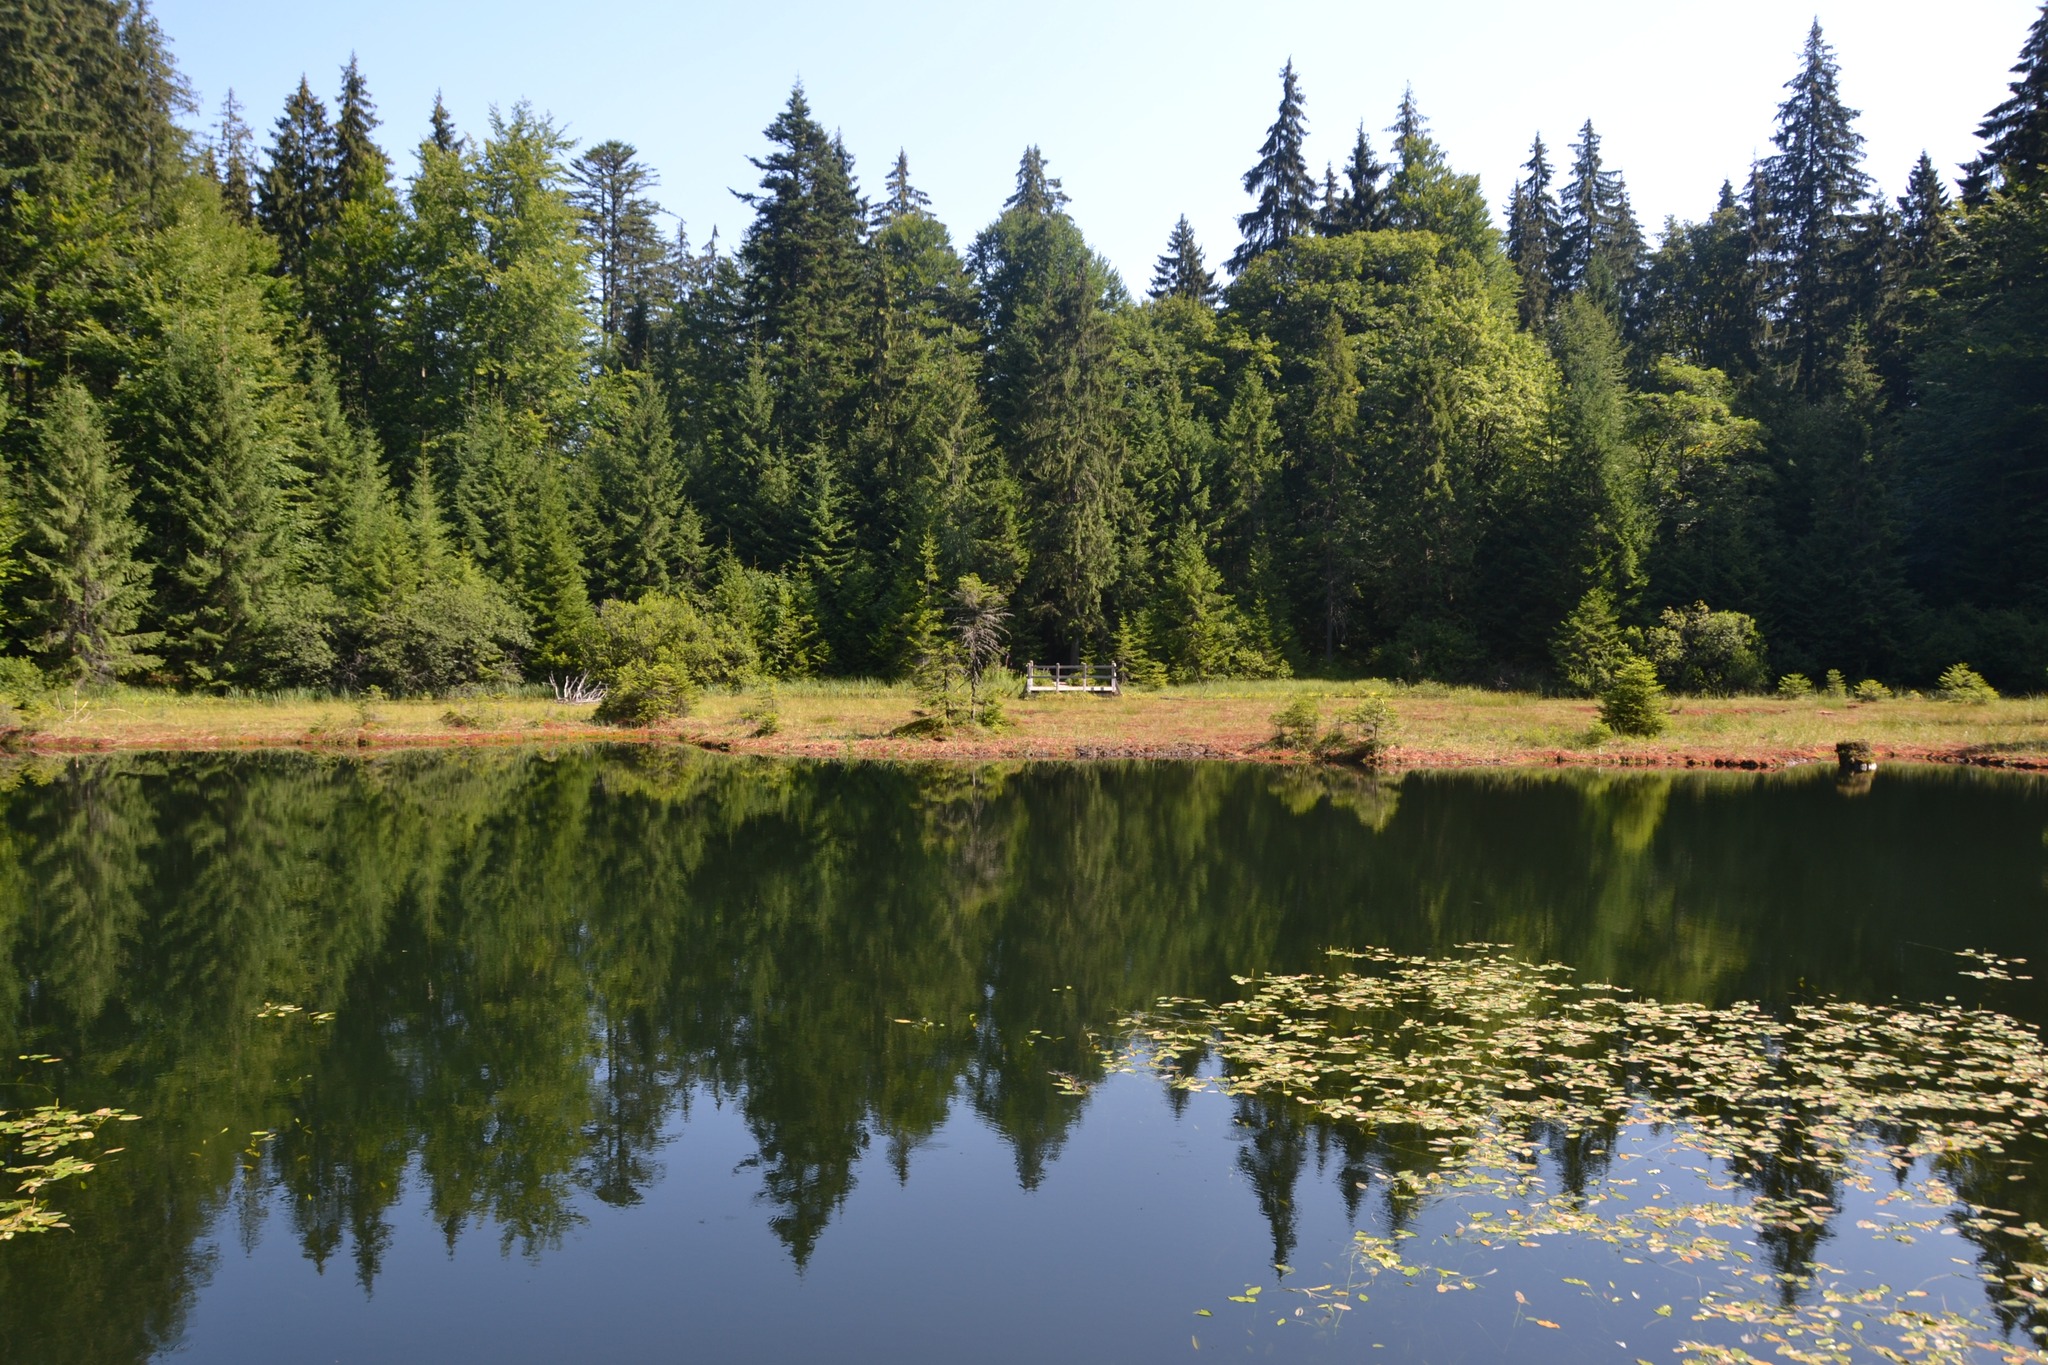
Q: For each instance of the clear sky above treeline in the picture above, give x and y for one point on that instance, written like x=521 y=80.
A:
x=1145 y=111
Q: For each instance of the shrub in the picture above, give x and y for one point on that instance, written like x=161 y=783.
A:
x=1794 y=686
x=444 y=636
x=1633 y=702
x=1963 y=683
x=1596 y=735
x=1296 y=725
x=1360 y=735
x=671 y=631
x=1870 y=689
x=1706 y=652
x=1836 y=688
x=23 y=690
x=765 y=715
x=642 y=693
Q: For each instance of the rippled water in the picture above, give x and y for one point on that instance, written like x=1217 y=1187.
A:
x=654 y=1054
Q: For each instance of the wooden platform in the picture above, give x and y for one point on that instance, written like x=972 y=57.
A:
x=1097 y=678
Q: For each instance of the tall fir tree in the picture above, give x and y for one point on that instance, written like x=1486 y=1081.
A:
x=1037 y=191
x=1363 y=203
x=87 y=589
x=1180 y=272
x=1426 y=195
x=649 y=537
x=1814 y=188
x=1535 y=236
x=354 y=268
x=234 y=159
x=1599 y=245
x=360 y=167
x=1280 y=184
x=2015 y=133
x=802 y=263
x=619 y=221
x=297 y=195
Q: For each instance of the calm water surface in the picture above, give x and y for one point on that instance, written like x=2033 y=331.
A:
x=651 y=1055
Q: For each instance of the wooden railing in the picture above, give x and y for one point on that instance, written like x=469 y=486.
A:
x=1072 y=678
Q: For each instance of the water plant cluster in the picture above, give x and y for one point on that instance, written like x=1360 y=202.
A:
x=1460 y=1070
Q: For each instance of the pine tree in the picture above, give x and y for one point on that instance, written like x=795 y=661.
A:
x=1813 y=188
x=441 y=134
x=2015 y=133
x=1925 y=222
x=297 y=196
x=353 y=270
x=1599 y=245
x=803 y=272
x=1535 y=231
x=233 y=146
x=619 y=223
x=1180 y=273
x=361 y=169
x=649 y=536
x=1036 y=192
x=1280 y=183
x=1426 y=195
x=900 y=198
x=1364 y=201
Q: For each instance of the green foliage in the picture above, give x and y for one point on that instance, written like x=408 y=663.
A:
x=87 y=591
x=665 y=637
x=1361 y=734
x=33 y=1145
x=1298 y=724
x=1795 y=686
x=1588 y=644
x=1137 y=665
x=441 y=635
x=1835 y=687
x=1704 y=652
x=1870 y=689
x=1961 y=683
x=642 y=693
x=1633 y=703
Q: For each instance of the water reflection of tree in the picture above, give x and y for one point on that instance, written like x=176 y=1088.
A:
x=535 y=960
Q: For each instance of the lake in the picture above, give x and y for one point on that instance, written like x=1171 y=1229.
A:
x=645 y=1053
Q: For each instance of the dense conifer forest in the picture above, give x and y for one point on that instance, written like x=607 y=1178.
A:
x=280 y=411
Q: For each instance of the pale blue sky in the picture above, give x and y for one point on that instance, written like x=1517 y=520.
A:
x=1146 y=111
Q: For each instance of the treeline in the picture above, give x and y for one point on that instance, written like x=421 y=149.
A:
x=290 y=414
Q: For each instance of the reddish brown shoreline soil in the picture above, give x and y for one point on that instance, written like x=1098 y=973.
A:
x=1000 y=749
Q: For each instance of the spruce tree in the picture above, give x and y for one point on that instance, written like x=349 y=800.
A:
x=1037 y=192
x=1925 y=222
x=1813 y=188
x=297 y=195
x=1426 y=195
x=233 y=148
x=649 y=538
x=1535 y=230
x=1364 y=200
x=900 y=198
x=1599 y=245
x=441 y=135
x=87 y=589
x=626 y=247
x=1279 y=182
x=360 y=167
x=2016 y=132
x=1180 y=273
x=803 y=272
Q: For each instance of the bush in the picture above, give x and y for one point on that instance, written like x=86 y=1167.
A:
x=670 y=631
x=1836 y=688
x=444 y=636
x=765 y=715
x=1706 y=652
x=1794 y=686
x=1633 y=702
x=641 y=694
x=1360 y=735
x=1296 y=725
x=1962 y=683
x=23 y=690
x=1870 y=689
